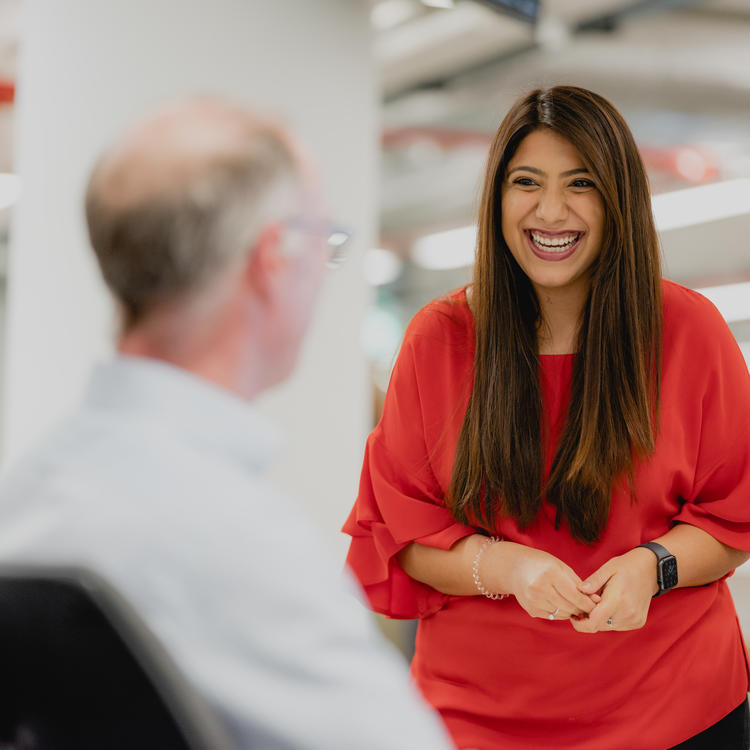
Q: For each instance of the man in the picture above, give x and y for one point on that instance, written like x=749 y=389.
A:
x=207 y=228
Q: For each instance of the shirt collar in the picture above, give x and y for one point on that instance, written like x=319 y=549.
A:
x=203 y=412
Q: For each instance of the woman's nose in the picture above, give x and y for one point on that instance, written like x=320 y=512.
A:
x=552 y=207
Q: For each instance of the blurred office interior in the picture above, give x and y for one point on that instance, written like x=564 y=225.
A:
x=401 y=119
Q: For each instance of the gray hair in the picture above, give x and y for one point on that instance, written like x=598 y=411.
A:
x=170 y=243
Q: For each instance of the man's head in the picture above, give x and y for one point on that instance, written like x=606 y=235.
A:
x=192 y=217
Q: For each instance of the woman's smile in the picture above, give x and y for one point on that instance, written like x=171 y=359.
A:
x=553 y=245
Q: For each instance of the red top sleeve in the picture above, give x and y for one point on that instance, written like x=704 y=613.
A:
x=400 y=499
x=719 y=501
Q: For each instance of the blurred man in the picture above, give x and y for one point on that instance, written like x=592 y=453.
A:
x=208 y=229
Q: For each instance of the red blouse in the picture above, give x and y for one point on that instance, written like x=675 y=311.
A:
x=500 y=678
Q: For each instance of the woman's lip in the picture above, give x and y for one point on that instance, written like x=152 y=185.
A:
x=551 y=256
x=561 y=233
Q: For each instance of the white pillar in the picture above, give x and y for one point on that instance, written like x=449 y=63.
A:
x=87 y=70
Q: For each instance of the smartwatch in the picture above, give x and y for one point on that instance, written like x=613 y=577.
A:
x=666 y=567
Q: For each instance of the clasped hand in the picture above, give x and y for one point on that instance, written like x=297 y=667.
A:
x=617 y=596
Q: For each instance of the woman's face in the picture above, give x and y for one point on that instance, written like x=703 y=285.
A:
x=552 y=213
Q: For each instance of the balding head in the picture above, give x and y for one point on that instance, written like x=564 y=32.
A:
x=183 y=195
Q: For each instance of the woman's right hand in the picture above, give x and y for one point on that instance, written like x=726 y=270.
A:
x=541 y=583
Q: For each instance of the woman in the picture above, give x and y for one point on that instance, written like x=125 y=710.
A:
x=540 y=426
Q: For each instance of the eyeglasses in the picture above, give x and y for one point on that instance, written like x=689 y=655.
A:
x=337 y=238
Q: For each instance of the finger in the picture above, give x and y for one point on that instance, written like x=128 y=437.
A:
x=574 y=600
x=553 y=610
x=557 y=614
x=582 y=625
x=568 y=585
x=585 y=625
x=544 y=613
x=598 y=622
x=565 y=612
x=597 y=580
x=603 y=617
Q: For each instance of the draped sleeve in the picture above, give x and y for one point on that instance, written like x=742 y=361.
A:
x=719 y=501
x=400 y=499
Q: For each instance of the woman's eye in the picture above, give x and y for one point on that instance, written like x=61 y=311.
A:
x=524 y=181
x=581 y=183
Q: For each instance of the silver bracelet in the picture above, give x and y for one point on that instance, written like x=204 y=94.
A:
x=475 y=569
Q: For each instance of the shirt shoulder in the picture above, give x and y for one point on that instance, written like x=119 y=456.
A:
x=693 y=326
x=446 y=320
x=699 y=349
x=689 y=313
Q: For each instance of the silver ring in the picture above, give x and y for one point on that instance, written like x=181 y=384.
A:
x=554 y=614
x=610 y=623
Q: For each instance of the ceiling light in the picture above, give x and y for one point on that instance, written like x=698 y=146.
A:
x=699 y=205
x=443 y=250
x=10 y=189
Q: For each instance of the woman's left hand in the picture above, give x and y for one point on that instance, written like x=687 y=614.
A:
x=626 y=584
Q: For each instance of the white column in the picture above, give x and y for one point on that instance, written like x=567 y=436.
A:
x=87 y=70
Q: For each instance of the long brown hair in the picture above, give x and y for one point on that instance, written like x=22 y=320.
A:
x=612 y=417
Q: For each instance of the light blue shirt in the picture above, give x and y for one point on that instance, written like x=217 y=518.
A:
x=156 y=482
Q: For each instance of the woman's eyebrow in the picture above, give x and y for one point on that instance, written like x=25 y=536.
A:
x=534 y=170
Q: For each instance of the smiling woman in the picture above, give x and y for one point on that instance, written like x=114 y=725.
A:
x=562 y=441
x=599 y=297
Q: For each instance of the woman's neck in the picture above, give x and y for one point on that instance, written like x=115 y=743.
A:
x=561 y=311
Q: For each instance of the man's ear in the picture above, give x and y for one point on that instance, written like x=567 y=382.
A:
x=265 y=262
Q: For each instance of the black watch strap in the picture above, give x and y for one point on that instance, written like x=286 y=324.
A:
x=666 y=567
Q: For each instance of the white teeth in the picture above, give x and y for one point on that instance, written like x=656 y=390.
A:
x=554 y=244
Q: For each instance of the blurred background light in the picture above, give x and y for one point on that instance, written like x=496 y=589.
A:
x=381 y=266
x=443 y=250
x=10 y=189
x=702 y=204
x=439 y=3
x=692 y=164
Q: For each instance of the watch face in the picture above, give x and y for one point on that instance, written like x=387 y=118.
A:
x=668 y=568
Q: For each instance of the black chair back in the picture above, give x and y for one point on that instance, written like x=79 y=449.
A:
x=80 y=671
